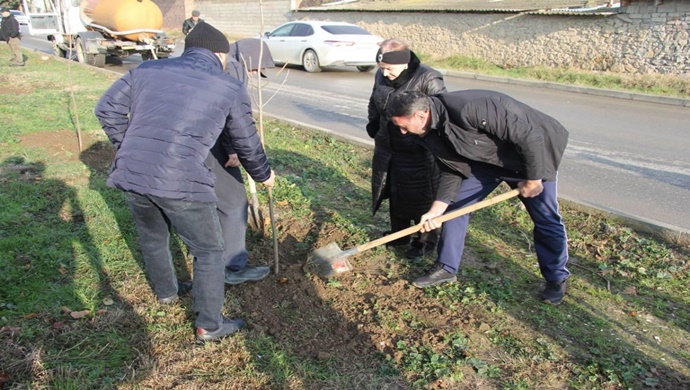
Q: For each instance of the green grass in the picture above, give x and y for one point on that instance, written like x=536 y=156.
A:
x=54 y=109
x=654 y=84
x=67 y=242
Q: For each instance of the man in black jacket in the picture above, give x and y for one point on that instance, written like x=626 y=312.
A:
x=232 y=204
x=500 y=140
x=9 y=32
x=189 y=24
x=163 y=117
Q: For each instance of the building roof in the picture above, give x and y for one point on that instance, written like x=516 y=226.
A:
x=531 y=6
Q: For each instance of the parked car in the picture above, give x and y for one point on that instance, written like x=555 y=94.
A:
x=315 y=45
x=19 y=15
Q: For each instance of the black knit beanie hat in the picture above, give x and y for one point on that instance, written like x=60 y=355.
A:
x=206 y=36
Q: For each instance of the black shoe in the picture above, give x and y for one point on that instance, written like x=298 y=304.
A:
x=418 y=250
x=554 y=292
x=393 y=246
x=434 y=276
x=396 y=244
x=247 y=274
x=182 y=290
x=229 y=326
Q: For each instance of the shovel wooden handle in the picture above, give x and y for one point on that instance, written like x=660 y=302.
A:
x=440 y=219
x=276 y=256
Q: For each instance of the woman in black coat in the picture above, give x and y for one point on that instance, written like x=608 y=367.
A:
x=402 y=170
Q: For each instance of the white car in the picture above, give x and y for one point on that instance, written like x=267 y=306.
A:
x=19 y=15
x=320 y=44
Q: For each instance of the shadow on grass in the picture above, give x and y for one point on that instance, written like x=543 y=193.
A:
x=98 y=158
x=50 y=265
x=595 y=334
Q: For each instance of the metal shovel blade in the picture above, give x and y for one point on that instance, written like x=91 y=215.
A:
x=255 y=218
x=330 y=260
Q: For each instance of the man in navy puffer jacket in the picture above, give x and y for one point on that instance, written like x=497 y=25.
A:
x=163 y=117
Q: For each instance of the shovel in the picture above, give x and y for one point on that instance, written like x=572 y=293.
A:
x=330 y=260
x=256 y=221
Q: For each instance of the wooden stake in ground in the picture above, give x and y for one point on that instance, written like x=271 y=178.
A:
x=74 y=100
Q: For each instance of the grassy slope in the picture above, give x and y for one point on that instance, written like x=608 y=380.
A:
x=66 y=241
x=654 y=84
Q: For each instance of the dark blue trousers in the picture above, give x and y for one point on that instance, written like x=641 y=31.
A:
x=550 y=239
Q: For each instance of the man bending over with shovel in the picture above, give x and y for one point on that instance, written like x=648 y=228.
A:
x=502 y=140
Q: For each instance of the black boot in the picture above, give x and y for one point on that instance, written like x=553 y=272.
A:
x=554 y=292
x=419 y=249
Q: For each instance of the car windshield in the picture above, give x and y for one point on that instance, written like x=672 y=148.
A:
x=345 y=30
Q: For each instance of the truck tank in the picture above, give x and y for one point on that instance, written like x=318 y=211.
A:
x=123 y=16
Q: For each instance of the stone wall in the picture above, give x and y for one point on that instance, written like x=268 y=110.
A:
x=174 y=12
x=631 y=43
x=663 y=34
x=242 y=18
x=645 y=38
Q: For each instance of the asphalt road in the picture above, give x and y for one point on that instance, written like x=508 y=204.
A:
x=628 y=157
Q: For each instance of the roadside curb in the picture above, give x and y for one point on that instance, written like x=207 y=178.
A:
x=77 y=63
x=344 y=137
x=668 y=233
x=673 y=101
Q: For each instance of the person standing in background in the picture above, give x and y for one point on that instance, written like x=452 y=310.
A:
x=10 y=33
x=189 y=24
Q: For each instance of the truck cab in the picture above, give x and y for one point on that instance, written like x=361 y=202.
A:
x=96 y=29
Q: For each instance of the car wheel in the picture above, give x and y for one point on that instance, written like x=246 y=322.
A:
x=365 y=68
x=310 y=62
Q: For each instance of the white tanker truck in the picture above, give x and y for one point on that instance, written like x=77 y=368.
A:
x=95 y=29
